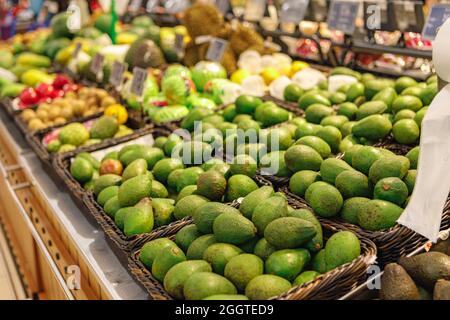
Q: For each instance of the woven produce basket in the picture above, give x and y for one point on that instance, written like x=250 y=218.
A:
x=391 y=243
x=7 y=104
x=330 y=285
x=34 y=140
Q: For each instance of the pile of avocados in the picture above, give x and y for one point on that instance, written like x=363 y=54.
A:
x=142 y=187
x=258 y=251
x=425 y=276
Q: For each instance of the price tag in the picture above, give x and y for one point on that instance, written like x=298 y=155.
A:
x=439 y=13
x=405 y=16
x=97 y=63
x=176 y=6
x=216 y=49
x=151 y=5
x=135 y=5
x=342 y=16
x=76 y=51
x=117 y=72
x=139 y=77
x=179 y=42
x=293 y=11
x=319 y=10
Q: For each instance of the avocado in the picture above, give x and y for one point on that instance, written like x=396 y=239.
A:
x=337 y=121
x=81 y=170
x=364 y=157
x=406 y=131
x=104 y=128
x=263 y=249
x=372 y=87
x=287 y=263
x=162 y=211
x=301 y=180
x=241 y=269
x=407 y=102
x=219 y=254
x=268 y=210
x=133 y=190
x=254 y=198
x=240 y=186
x=201 y=285
x=289 y=232
x=186 y=206
x=316 y=243
x=233 y=228
x=249 y=246
x=428 y=93
x=306 y=129
x=152 y=248
x=158 y=190
x=317 y=144
x=212 y=185
x=135 y=168
x=140 y=219
x=89 y=157
x=316 y=112
x=404 y=114
x=186 y=236
x=354 y=91
x=378 y=215
x=442 y=290
x=351 y=208
x=243 y=164
x=341 y=248
x=324 y=199
x=273 y=116
x=331 y=168
x=105 y=181
x=391 y=189
x=370 y=108
x=427 y=268
x=374 y=127
x=227 y=297
x=199 y=245
x=112 y=206
x=304 y=277
x=385 y=167
x=188 y=177
x=187 y=191
x=177 y=276
x=107 y=194
x=352 y=183
x=387 y=95
x=347 y=109
x=280 y=138
x=164 y=167
x=413 y=157
x=165 y=260
x=404 y=82
x=310 y=98
x=266 y=286
x=396 y=284
x=318 y=262
x=205 y=215
x=302 y=157
x=273 y=164
x=330 y=135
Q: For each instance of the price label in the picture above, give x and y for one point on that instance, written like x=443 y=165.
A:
x=135 y=5
x=151 y=5
x=216 y=49
x=439 y=13
x=319 y=10
x=117 y=72
x=139 y=77
x=76 y=51
x=97 y=63
x=293 y=11
x=176 y=6
x=406 y=16
x=342 y=16
x=179 y=42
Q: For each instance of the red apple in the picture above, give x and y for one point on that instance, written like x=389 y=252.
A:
x=29 y=97
x=111 y=166
x=44 y=90
x=60 y=81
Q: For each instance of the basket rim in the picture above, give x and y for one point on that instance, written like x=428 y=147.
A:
x=155 y=288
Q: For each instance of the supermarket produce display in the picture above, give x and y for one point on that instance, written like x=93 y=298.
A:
x=248 y=174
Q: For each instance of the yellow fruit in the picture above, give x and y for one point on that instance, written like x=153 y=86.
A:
x=239 y=75
x=270 y=74
x=117 y=111
x=297 y=66
x=285 y=70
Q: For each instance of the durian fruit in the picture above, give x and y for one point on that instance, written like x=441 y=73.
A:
x=228 y=61
x=243 y=37
x=203 y=19
x=191 y=54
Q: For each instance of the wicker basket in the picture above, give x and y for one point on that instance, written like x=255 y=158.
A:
x=7 y=104
x=390 y=144
x=330 y=285
x=34 y=139
x=391 y=244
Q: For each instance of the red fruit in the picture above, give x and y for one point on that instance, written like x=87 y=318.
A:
x=60 y=81
x=56 y=94
x=111 y=166
x=70 y=87
x=29 y=96
x=44 y=90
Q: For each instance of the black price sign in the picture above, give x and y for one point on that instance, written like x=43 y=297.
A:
x=342 y=16
x=179 y=43
x=117 y=72
x=76 y=51
x=216 y=49
x=439 y=13
x=293 y=11
x=97 y=63
x=137 y=84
